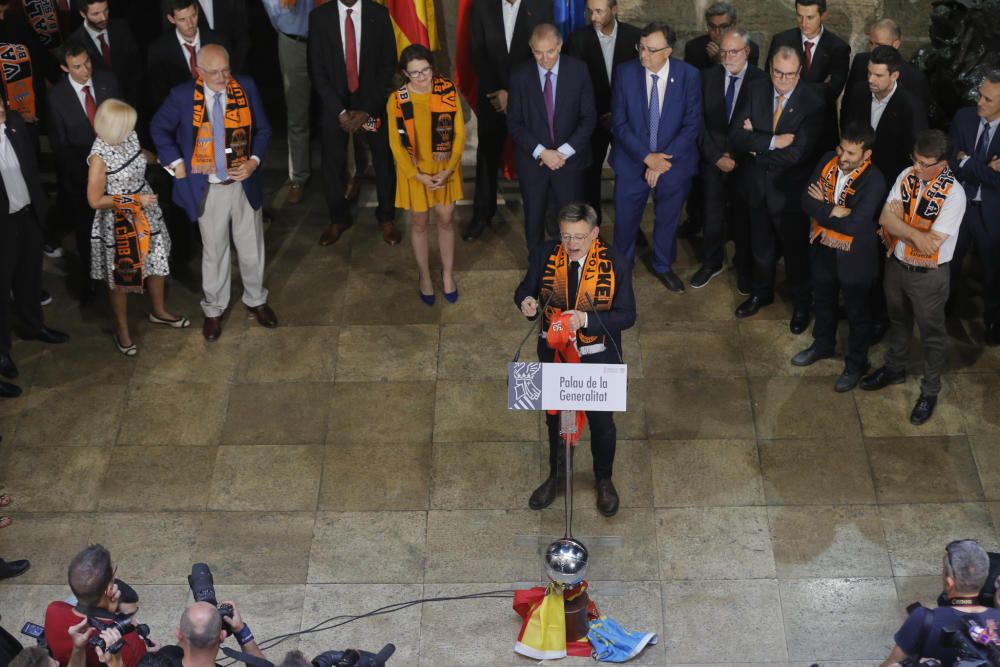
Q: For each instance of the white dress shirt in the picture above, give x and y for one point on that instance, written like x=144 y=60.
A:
x=947 y=222
x=841 y=182
x=10 y=169
x=565 y=149
x=815 y=43
x=196 y=43
x=878 y=107
x=661 y=84
x=80 y=96
x=607 y=43
x=509 y=10
x=95 y=36
x=208 y=9
x=356 y=19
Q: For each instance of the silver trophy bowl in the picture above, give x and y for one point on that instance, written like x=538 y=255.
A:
x=566 y=561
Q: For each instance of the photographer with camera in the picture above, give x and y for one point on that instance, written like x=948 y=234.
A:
x=92 y=580
x=925 y=633
x=202 y=632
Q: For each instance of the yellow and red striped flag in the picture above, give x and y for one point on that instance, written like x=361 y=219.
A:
x=414 y=22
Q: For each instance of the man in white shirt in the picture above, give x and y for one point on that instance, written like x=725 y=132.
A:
x=919 y=224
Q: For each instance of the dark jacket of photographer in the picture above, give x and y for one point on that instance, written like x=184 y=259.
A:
x=909 y=635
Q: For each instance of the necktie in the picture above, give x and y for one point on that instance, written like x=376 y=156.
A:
x=105 y=49
x=809 y=55
x=654 y=114
x=982 y=146
x=550 y=105
x=351 y=52
x=219 y=138
x=730 y=96
x=777 y=113
x=192 y=59
x=90 y=104
x=573 y=287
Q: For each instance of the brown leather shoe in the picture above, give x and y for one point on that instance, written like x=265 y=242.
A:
x=332 y=233
x=543 y=496
x=212 y=328
x=607 y=497
x=265 y=316
x=353 y=189
x=390 y=234
x=296 y=192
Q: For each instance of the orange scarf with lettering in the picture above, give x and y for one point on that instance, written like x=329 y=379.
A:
x=828 y=179
x=15 y=69
x=444 y=106
x=920 y=212
x=131 y=243
x=239 y=128
x=44 y=20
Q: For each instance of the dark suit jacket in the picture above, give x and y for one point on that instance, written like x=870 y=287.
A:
x=861 y=264
x=488 y=46
x=232 y=25
x=975 y=173
x=69 y=129
x=24 y=146
x=583 y=44
x=680 y=121
x=167 y=65
x=910 y=77
x=173 y=135
x=694 y=53
x=831 y=59
x=776 y=178
x=126 y=61
x=573 y=119
x=897 y=131
x=620 y=317
x=376 y=61
x=715 y=129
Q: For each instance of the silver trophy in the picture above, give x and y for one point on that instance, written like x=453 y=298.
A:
x=566 y=559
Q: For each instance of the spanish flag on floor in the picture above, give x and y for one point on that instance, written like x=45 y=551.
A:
x=543 y=632
x=414 y=22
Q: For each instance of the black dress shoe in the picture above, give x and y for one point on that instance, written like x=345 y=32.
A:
x=607 y=497
x=751 y=306
x=992 y=337
x=923 y=410
x=882 y=378
x=46 y=335
x=8 y=368
x=543 y=496
x=800 y=320
x=474 y=230
x=13 y=568
x=671 y=281
x=8 y=390
x=849 y=379
x=810 y=356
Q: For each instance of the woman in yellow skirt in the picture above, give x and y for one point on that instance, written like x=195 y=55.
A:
x=427 y=135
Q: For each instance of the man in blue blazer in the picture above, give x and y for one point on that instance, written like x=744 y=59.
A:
x=975 y=151
x=215 y=178
x=550 y=116
x=655 y=145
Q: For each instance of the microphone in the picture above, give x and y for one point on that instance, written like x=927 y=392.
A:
x=531 y=327
x=607 y=334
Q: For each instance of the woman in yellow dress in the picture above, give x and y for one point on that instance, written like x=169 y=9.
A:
x=427 y=135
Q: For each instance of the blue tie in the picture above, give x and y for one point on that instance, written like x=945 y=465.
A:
x=982 y=146
x=219 y=138
x=730 y=96
x=654 y=114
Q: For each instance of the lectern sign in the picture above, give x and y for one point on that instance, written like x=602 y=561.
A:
x=538 y=386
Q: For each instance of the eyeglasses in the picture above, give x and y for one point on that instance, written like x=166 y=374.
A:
x=784 y=76
x=719 y=27
x=732 y=53
x=579 y=238
x=924 y=165
x=419 y=73
x=645 y=49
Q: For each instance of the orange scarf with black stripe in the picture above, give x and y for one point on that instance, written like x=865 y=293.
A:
x=596 y=291
x=44 y=20
x=920 y=211
x=131 y=243
x=239 y=126
x=15 y=69
x=444 y=106
x=828 y=179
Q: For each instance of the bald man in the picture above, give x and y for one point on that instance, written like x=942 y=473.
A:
x=203 y=630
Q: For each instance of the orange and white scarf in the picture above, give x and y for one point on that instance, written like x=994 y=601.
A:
x=828 y=180
x=920 y=211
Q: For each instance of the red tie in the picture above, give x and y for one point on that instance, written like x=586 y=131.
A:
x=193 y=59
x=90 y=104
x=351 y=51
x=105 y=50
x=809 y=55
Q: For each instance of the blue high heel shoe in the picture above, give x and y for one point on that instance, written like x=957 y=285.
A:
x=450 y=297
x=428 y=298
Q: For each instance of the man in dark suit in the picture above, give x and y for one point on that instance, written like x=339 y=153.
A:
x=564 y=278
x=22 y=213
x=723 y=89
x=844 y=197
x=826 y=59
x=498 y=40
x=219 y=186
x=974 y=159
x=228 y=19
x=704 y=51
x=550 y=115
x=603 y=45
x=353 y=77
x=111 y=47
x=776 y=136
x=71 y=132
x=886 y=32
x=656 y=116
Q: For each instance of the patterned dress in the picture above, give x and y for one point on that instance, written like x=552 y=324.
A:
x=126 y=176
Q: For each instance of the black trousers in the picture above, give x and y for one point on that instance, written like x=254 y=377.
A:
x=541 y=185
x=790 y=229
x=828 y=282
x=21 y=239
x=603 y=436
x=982 y=234
x=334 y=168
x=491 y=131
x=600 y=140
x=723 y=208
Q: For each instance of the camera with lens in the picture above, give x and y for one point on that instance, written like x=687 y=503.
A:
x=354 y=658
x=203 y=590
x=122 y=627
x=974 y=644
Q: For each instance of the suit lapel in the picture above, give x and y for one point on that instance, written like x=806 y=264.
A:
x=523 y=12
x=594 y=46
x=623 y=51
x=789 y=112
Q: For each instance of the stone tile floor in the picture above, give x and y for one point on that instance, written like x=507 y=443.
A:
x=361 y=455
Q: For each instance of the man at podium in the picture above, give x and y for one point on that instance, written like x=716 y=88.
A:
x=581 y=279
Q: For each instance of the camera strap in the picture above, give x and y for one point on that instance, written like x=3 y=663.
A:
x=251 y=660
x=102 y=615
